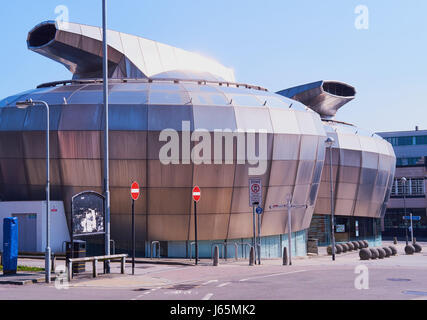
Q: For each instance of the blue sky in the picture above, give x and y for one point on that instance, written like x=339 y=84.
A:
x=273 y=43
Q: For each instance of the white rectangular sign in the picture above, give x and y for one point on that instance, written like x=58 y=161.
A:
x=255 y=192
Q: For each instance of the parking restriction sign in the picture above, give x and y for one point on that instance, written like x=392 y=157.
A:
x=255 y=192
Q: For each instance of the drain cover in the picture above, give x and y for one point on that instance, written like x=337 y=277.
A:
x=184 y=287
x=416 y=293
x=141 y=289
x=398 y=279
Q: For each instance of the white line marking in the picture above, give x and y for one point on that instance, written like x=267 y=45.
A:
x=272 y=275
x=208 y=296
x=207 y=282
x=223 y=284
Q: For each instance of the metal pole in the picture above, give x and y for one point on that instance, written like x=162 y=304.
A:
x=412 y=230
x=289 y=205
x=332 y=207
x=404 y=210
x=106 y=131
x=195 y=232
x=259 y=239
x=48 y=250
x=133 y=236
x=254 y=229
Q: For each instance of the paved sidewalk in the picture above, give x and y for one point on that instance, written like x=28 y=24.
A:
x=22 y=278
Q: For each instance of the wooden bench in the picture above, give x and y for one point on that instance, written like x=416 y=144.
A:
x=94 y=260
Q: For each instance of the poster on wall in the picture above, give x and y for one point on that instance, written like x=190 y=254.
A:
x=87 y=214
x=340 y=228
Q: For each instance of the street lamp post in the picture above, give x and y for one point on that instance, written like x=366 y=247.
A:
x=106 y=132
x=24 y=105
x=403 y=180
x=329 y=142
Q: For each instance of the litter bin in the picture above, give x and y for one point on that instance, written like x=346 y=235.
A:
x=10 y=245
x=79 y=251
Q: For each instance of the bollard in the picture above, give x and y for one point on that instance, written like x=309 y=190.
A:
x=409 y=249
x=395 y=240
x=393 y=250
x=251 y=256
x=365 y=254
x=285 y=256
x=417 y=247
x=216 y=256
x=356 y=245
x=381 y=253
x=374 y=253
x=388 y=252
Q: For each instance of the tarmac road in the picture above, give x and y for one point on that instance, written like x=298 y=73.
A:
x=399 y=278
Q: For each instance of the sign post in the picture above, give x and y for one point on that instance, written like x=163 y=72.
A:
x=255 y=199
x=134 y=192
x=196 y=198
x=412 y=229
x=259 y=213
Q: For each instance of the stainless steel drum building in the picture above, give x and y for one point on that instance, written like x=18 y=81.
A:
x=156 y=91
x=363 y=167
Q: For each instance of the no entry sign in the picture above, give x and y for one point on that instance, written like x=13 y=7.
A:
x=196 y=194
x=134 y=190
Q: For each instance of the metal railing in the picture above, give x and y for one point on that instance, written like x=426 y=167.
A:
x=246 y=244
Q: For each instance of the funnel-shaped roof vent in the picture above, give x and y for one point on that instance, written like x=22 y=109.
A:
x=324 y=97
x=79 y=48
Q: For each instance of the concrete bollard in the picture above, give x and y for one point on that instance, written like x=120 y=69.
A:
x=417 y=247
x=285 y=256
x=365 y=254
x=381 y=253
x=251 y=256
x=393 y=250
x=374 y=253
x=356 y=245
x=395 y=240
x=388 y=252
x=216 y=256
x=409 y=249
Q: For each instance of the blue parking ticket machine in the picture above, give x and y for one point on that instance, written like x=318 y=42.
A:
x=10 y=245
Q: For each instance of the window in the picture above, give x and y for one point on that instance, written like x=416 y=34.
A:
x=407 y=162
x=407 y=141
x=404 y=141
x=414 y=187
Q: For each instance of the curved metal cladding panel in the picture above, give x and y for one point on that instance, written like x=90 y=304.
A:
x=363 y=171
x=139 y=112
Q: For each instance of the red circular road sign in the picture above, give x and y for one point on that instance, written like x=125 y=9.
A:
x=196 y=194
x=134 y=190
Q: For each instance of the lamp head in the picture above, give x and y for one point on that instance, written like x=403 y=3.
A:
x=403 y=179
x=329 y=141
